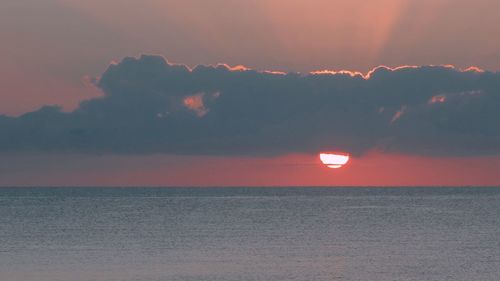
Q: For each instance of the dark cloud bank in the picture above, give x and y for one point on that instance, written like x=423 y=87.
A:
x=152 y=106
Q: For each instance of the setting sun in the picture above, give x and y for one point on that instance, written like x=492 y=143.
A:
x=334 y=161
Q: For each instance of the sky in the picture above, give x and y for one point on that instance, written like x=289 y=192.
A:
x=220 y=92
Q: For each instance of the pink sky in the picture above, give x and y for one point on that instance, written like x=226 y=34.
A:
x=52 y=48
x=49 y=47
x=374 y=169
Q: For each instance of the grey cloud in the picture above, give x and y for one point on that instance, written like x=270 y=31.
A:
x=153 y=106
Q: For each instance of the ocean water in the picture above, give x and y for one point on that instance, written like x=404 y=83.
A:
x=247 y=234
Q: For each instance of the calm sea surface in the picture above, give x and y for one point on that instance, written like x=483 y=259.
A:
x=233 y=234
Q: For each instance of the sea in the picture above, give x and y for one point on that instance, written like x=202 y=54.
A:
x=250 y=234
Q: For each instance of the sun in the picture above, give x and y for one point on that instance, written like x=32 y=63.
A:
x=334 y=160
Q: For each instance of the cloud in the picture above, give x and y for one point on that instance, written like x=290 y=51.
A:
x=153 y=106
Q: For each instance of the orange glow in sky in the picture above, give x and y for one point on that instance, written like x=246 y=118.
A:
x=334 y=161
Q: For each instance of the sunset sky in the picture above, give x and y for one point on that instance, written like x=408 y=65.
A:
x=221 y=92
